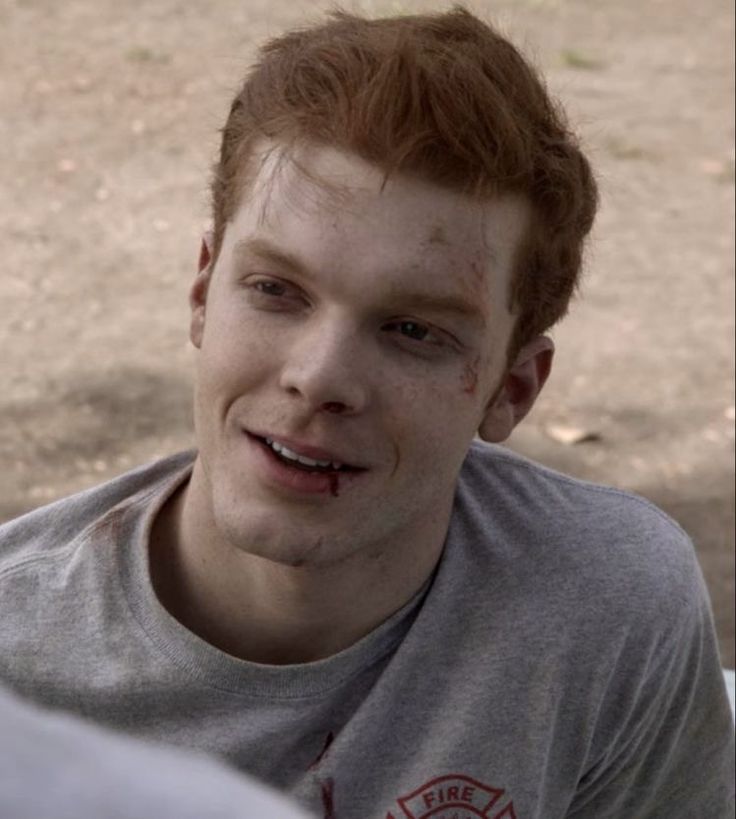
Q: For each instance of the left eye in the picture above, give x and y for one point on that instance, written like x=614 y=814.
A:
x=410 y=329
x=415 y=331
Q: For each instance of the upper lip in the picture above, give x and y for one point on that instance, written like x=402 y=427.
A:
x=308 y=450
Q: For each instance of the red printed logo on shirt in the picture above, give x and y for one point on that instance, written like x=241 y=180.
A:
x=455 y=797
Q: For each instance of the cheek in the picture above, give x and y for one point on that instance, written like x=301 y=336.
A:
x=225 y=374
x=438 y=419
x=235 y=344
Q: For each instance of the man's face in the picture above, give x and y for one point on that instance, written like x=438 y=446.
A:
x=350 y=323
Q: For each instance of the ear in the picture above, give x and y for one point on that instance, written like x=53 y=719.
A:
x=518 y=391
x=198 y=291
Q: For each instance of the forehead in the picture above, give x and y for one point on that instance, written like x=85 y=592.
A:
x=340 y=210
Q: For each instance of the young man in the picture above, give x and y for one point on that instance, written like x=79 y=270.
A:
x=341 y=591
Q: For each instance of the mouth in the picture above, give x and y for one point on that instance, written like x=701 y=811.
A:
x=302 y=462
x=304 y=468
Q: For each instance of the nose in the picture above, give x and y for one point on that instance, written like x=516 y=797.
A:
x=325 y=368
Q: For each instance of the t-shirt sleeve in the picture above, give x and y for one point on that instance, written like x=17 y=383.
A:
x=665 y=737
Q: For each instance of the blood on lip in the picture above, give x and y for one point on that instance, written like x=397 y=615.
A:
x=332 y=475
x=334 y=483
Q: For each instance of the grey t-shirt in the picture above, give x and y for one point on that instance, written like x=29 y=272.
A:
x=561 y=662
x=54 y=766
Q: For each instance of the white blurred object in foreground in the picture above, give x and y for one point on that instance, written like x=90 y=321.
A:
x=56 y=766
x=731 y=687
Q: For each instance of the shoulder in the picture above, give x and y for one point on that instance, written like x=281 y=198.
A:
x=48 y=531
x=600 y=540
x=533 y=487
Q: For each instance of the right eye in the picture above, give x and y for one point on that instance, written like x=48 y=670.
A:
x=269 y=287
x=271 y=293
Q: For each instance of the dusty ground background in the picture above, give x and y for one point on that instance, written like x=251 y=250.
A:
x=110 y=113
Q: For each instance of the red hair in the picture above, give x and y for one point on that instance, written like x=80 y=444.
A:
x=444 y=97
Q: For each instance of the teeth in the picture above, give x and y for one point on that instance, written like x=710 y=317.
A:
x=285 y=452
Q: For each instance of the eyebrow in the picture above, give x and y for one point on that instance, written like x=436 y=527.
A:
x=268 y=252
x=441 y=303
x=448 y=304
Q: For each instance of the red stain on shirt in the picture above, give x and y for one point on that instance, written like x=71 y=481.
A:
x=328 y=805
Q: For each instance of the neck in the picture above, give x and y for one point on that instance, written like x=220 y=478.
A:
x=266 y=612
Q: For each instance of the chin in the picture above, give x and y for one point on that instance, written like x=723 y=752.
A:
x=287 y=549
x=318 y=554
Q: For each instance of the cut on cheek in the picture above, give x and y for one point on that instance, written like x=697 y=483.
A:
x=469 y=377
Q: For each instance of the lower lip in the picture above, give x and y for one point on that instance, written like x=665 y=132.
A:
x=297 y=480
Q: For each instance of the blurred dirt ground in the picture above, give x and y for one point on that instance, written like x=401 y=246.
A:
x=110 y=118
